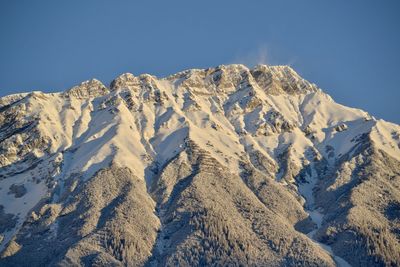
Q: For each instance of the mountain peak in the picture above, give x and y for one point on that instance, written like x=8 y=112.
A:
x=124 y=80
x=227 y=165
x=88 y=89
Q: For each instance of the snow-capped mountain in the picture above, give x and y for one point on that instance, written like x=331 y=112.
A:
x=220 y=166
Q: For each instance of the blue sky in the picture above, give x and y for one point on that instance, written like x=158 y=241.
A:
x=349 y=48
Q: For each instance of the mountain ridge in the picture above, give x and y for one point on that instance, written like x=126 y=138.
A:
x=207 y=151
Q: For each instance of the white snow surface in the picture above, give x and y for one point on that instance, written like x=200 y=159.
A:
x=145 y=120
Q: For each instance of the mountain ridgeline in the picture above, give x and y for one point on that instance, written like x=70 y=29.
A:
x=225 y=166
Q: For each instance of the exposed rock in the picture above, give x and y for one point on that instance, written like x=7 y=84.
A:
x=340 y=128
x=125 y=81
x=88 y=89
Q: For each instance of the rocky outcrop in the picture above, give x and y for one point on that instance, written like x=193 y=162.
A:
x=88 y=89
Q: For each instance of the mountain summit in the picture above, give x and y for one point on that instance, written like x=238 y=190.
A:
x=219 y=166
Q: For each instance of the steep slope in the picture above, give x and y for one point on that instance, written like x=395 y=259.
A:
x=220 y=166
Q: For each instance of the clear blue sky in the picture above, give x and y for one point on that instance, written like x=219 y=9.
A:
x=351 y=49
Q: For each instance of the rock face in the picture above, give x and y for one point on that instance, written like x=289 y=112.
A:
x=220 y=166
